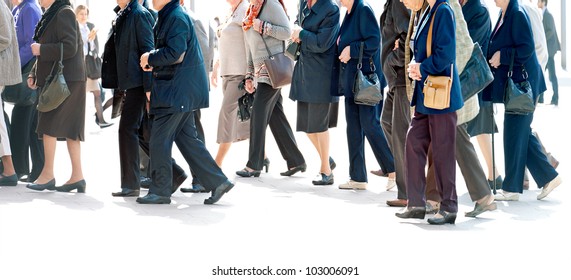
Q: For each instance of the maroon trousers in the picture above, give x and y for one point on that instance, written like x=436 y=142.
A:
x=440 y=131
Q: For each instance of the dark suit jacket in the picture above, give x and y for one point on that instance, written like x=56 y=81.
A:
x=514 y=34
x=553 y=45
x=315 y=77
x=63 y=28
x=479 y=25
x=443 y=55
x=359 y=26
x=177 y=87
x=133 y=37
x=394 y=26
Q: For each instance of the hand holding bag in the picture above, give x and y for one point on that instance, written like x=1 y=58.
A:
x=293 y=50
x=92 y=64
x=20 y=94
x=55 y=91
x=436 y=88
x=366 y=88
x=518 y=97
x=476 y=76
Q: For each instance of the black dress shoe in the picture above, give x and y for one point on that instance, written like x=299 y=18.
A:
x=145 y=182
x=267 y=164
x=445 y=218
x=51 y=185
x=499 y=183
x=9 y=181
x=324 y=180
x=218 y=192
x=412 y=213
x=294 y=170
x=152 y=198
x=126 y=192
x=79 y=186
x=245 y=173
x=195 y=188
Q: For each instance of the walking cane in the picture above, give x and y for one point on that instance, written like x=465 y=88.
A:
x=493 y=153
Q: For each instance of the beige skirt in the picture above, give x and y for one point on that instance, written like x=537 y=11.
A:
x=230 y=129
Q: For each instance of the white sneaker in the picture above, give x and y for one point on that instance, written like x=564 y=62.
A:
x=506 y=196
x=353 y=185
x=549 y=187
x=391 y=184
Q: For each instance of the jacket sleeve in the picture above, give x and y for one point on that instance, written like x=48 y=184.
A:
x=67 y=33
x=5 y=37
x=522 y=37
x=479 y=28
x=550 y=32
x=279 y=26
x=443 y=44
x=175 y=45
x=144 y=25
x=28 y=19
x=325 y=37
x=401 y=16
x=370 y=32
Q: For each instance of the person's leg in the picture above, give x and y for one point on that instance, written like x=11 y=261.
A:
x=36 y=147
x=98 y=107
x=516 y=141
x=129 y=123
x=355 y=142
x=74 y=149
x=47 y=173
x=400 y=124
x=485 y=143
x=223 y=149
x=417 y=143
x=163 y=133
x=443 y=136
x=20 y=138
x=470 y=166
x=553 y=80
x=374 y=133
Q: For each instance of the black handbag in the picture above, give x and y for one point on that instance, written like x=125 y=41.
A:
x=366 y=88
x=245 y=104
x=55 y=91
x=518 y=97
x=21 y=94
x=293 y=50
x=92 y=64
x=476 y=74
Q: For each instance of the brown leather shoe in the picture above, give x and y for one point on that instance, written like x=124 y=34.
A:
x=397 y=203
x=379 y=173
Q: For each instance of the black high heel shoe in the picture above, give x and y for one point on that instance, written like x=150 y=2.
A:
x=332 y=163
x=412 y=213
x=79 y=185
x=51 y=185
x=294 y=170
x=445 y=218
x=267 y=164
x=245 y=173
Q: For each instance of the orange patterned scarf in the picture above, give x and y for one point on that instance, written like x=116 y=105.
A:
x=252 y=13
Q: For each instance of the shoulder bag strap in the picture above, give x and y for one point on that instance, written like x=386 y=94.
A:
x=360 y=63
x=270 y=55
x=429 y=39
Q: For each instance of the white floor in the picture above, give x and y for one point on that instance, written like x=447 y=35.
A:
x=279 y=222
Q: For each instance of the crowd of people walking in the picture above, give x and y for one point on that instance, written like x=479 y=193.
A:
x=160 y=60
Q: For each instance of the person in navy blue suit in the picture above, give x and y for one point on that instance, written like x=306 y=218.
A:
x=433 y=127
x=180 y=87
x=360 y=25
x=521 y=148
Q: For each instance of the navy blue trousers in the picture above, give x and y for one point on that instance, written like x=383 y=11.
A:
x=363 y=121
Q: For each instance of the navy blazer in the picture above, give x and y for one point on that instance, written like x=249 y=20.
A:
x=553 y=45
x=442 y=58
x=178 y=86
x=359 y=26
x=514 y=34
x=315 y=76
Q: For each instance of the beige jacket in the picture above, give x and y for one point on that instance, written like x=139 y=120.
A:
x=10 y=72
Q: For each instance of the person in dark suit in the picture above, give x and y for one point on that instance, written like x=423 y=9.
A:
x=24 y=140
x=395 y=117
x=553 y=47
x=315 y=78
x=180 y=86
x=432 y=125
x=362 y=120
x=131 y=36
x=512 y=35
x=58 y=28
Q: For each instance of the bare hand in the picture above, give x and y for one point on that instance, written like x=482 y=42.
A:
x=396 y=45
x=214 y=78
x=295 y=34
x=249 y=86
x=36 y=49
x=345 y=54
x=145 y=62
x=148 y=103
x=32 y=83
x=414 y=71
x=92 y=35
x=495 y=60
